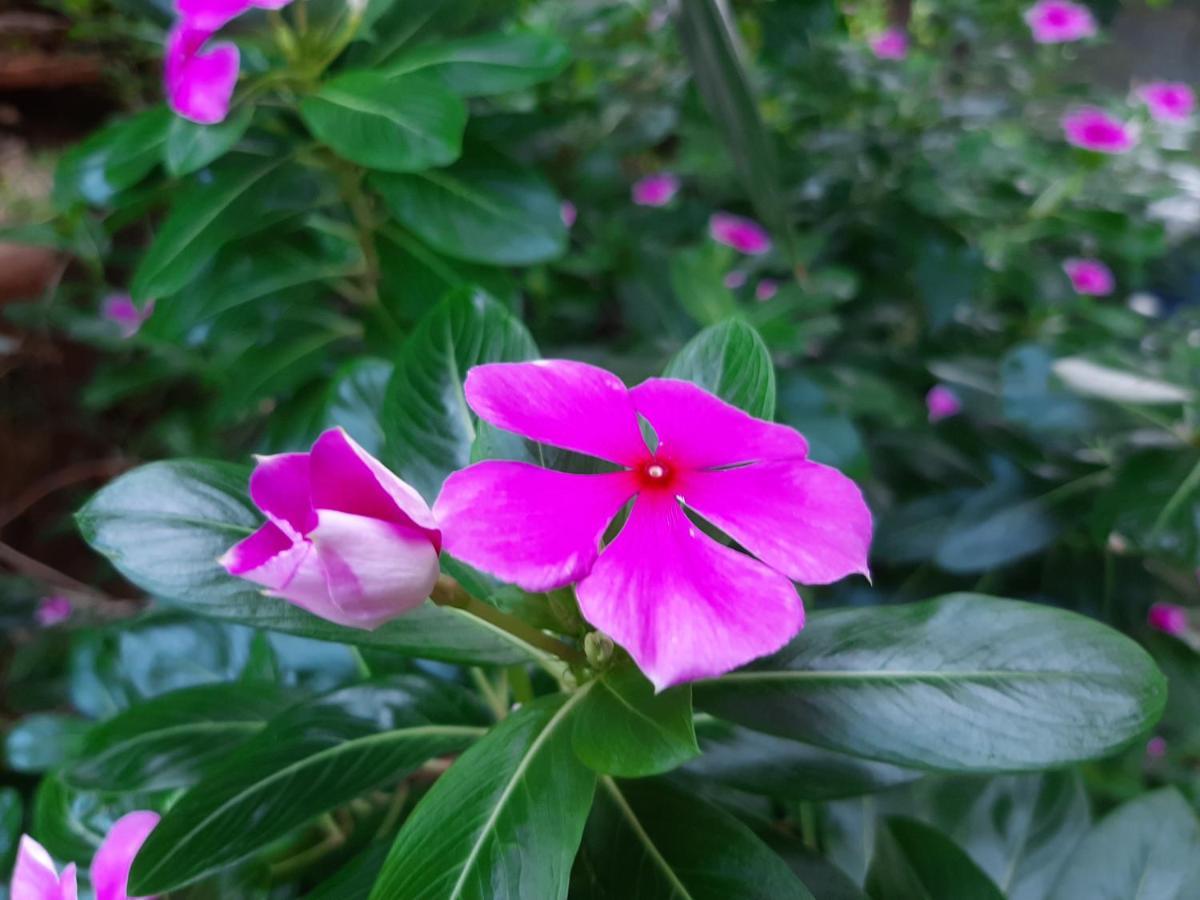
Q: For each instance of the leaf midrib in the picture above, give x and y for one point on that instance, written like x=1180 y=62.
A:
x=640 y=833
x=906 y=675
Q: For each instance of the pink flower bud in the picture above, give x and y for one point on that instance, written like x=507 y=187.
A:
x=656 y=190
x=1091 y=128
x=52 y=610
x=890 y=44
x=1168 y=618
x=568 y=213
x=1156 y=747
x=734 y=279
x=743 y=235
x=766 y=289
x=1090 y=277
x=124 y=313
x=1059 y=21
x=942 y=403
x=1168 y=101
x=200 y=77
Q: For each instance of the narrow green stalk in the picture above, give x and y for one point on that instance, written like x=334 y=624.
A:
x=1182 y=493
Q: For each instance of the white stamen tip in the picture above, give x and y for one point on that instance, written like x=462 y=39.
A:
x=656 y=471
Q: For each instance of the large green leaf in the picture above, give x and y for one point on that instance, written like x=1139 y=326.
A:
x=314 y=757
x=113 y=159
x=624 y=728
x=731 y=361
x=400 y=124
x=915 y=862
x=190 y=146
x=174 y=739
x=71 y=824
x=428 y=424
x=1148 y=849
x=647 y=841
x=504 y=822
x=995 y=685
x=486 y=64
x=484 y=209
x=164 y=525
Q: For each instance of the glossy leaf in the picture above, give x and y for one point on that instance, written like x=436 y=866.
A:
x=624 y=728
x=996 y=685
x=71 y=824
x=190 y=146
x=486 y=64
x=915 y=862
x=504 y=822
x=42 y=742
x=113 y=159
x=1094 y=380
x=314 y=757
x=825 y=880
x=353 y=879
x=697 y=278
x=731 y=361
x=357 y=401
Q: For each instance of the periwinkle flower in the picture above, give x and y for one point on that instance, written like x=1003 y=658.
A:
x=125 y=314
x=345 y=539
x=1059 y=21
x=199 y=76
x=1090 y=277
x=215 y=14
x=1091 y=128
x=942 y=402
x=36 y=878
x=684 y=605
x=568 y=213
x=53 y=610
x=890 y=44
x=1169 y=618
x=766 y=289
x=1156 y=747
x=1168 y=101
x=655 y=190
x=742 y=234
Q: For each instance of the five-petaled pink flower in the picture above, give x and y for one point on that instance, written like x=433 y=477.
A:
x=1093 y=129
x=36 y=878
x=53 y=610
x=1059 y=21
x=742 y=234
x=684 y=605
x=1169 y=618
x=656 y=190
x=199 y=77
x=890 y=44
x=1090 y=277
x=942 y=403
x=124 y=313
x=1168 y=101
x=345 y=539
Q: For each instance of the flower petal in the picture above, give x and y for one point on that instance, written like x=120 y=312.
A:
x=200 y=77
x=801 y=518
x=347 y=478
x=560 y=402
x=262 y=550
x=34 y=876
x=374 y=570
x=684 y=606
x=698 y=430
x=529 y=526
x=111 y=864
x=281 y=487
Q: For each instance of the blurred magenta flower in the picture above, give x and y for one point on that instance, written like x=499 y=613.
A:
x=568 y=213
x=52 y=610
x=683 y=605
x=346 y=539
x=213 y=14
x=890 y=44
x=734 y=279
x=124 y=313
x=1059 y=21
x=742 y=234
x=656 y=190
x=1092 y=128
x=766 y=289
x=1090 y=277
x=1168 y=101
x=1169 y=618
x=35 y=877
x=1156 y=747
x=199 y=79
x=942 y=403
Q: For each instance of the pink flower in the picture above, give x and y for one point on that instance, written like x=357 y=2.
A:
x=346 y=539
x=1093 y=129
x=52 y=610
x=682 y=604
x=890 y=44
x=124 y=313
x=1168 y=101
x=35 y=877
x=211 y=15
x=1156 y=747
x=942 y=403
x=1059 y=21
x=766 y=289
x=743 y=235
x=568 y=213
x=734 y=279
x=656 y=190
x=1168 y=618
x=1090 y=277
x=199 y=80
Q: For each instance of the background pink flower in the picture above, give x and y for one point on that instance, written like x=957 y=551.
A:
x=1169 y=618
x=1168 y=101
x=734 y=279
x=766 y=289
x=214 y=14
x=890 y=44
x=52 y=610
x=683 y=605
x=742 y=234
x=1090 y=277
x=942 y=403
x=1059 y=21
x=1093 y=129
x=568 y=213
x=199 y=78
x=35 y=877
x=656 y=190
x=124 y=313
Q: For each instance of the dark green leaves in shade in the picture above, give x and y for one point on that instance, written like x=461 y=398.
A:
x=391 y=124
x=963 y=683
x=484 y=208
x=504 y=823
x=314 y=757
x=113 y=159
x=43 y=742
x=71 y=824
x=697 y=278
x=649 y=841
x=623 y=728
x=164 y=525
x=429 y=426
x=731 y=361
x=486 y=64
x=915 y=862
x=173 y=740
x=356 y=402
x=1148 y=849
x=11 y=817
x=190 y=146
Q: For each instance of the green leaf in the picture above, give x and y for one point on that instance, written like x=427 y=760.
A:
x=484 y=209
x=353 y=879
x=697 y=278
x=314 y=757
x=915 y=862
x=825 y=880
x=11 y=817
x=947 y=276
x=164 y=525
x=42 y=742
x=624 y=728
x=113 y=159
x=401 y=124
x=429 y=426
x=190 y=146
x=71 y=824
x=648 y=840
x=994 y=528
x=997 y=685
x=731 y=361
x=505 y=821
x=175 y=739
x=486 y=64
x=357 y=402
x=1148 y=849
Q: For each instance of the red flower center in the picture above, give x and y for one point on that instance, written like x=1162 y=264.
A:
x=655 y=474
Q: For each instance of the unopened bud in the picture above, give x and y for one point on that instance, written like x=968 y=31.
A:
x=598 y=648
